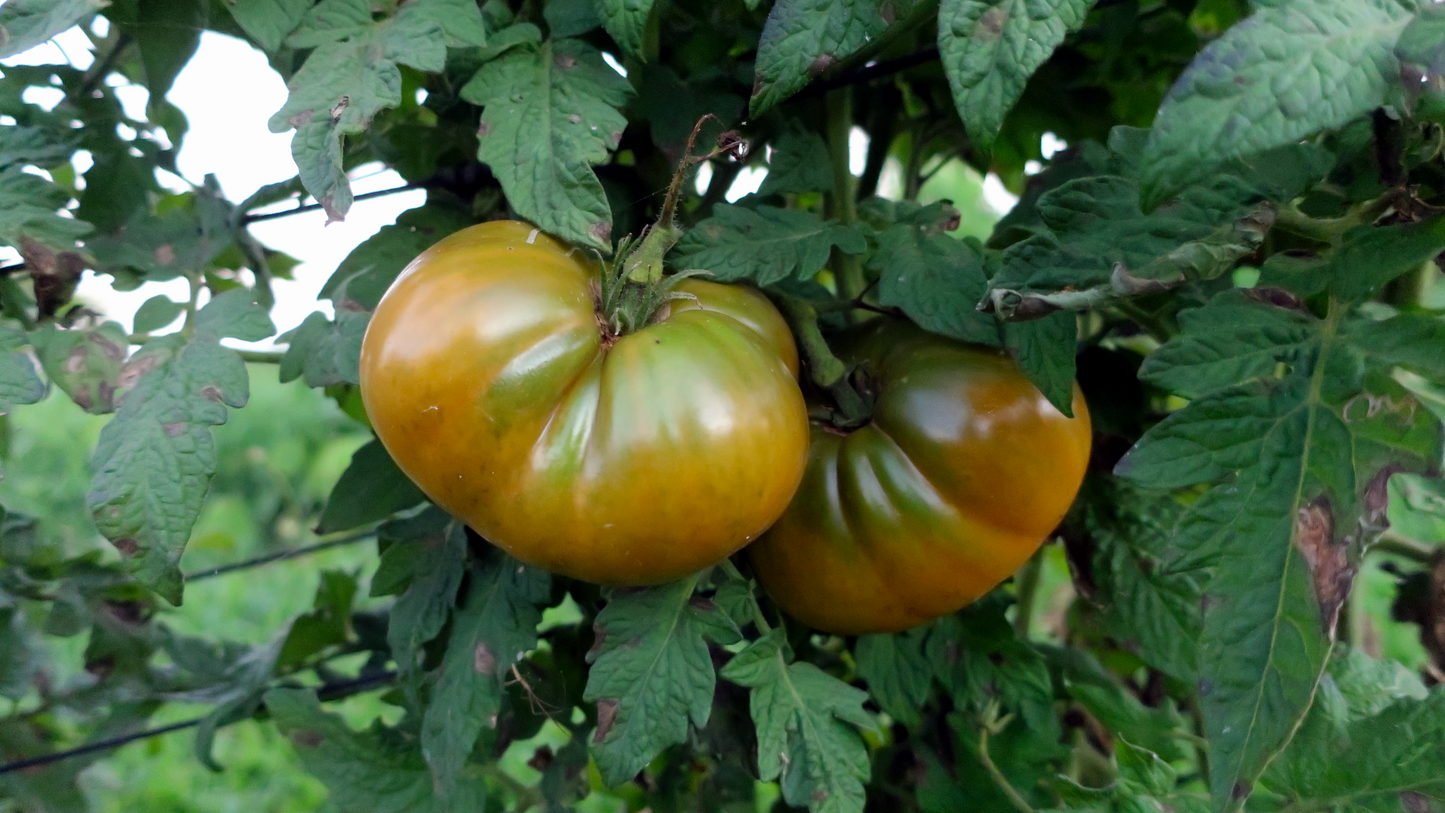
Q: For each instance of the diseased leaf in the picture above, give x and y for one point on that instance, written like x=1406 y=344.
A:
x=1284 y=73
x=805 y=721
x=651 y=673
x=85 y=362
x=1299 y=468
x=493 y=629
x=625 y=20
x=154 y=460
x=550 y=111
x=936 y=280
x=371 y=488
x=764 y=245
x=990 y=48
x=897 y=672
x=803 y=38
x=799 y=162
x=352 y=75
x=25 y=24
x=371 y=771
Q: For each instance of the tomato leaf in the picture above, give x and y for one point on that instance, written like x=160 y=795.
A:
x=156 y=313
x=1044 y=349
x=803 y=38
x=352 y=75
x=805 y=720
x=85 y=362
x=372 y=771
x=371 y=488
x=428 y=553
x=154 y=460
x=1288 y=71
x=625 y=20
x=33 y=145
x=766 y=245
x=327 y=623
x=1367 y=259
x=562 y=90
x=28 y=205
x=798 y=162
x=25 y=24
x=935 y=279
x=897 y=672
x=990 y=48
x=493 y=629
x=651 y=673
x=19 y=383
x=1299 y=467
x=268 y=21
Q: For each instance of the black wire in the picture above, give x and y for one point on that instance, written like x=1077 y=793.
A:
x=871 y=72
x=279 y=556
x=311 y=207
x=331 y=691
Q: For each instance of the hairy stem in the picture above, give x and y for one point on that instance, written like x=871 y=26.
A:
x=1018 y=801
x=841 y=204
x=824 y=368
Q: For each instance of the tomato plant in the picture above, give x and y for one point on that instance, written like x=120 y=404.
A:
x=1079 y=367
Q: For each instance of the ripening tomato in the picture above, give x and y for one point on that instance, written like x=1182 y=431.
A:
x=962 y=473
x=636 y=459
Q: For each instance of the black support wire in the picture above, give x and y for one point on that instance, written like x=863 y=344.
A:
x=311 y=207
x=282 y=555
x=331 y=691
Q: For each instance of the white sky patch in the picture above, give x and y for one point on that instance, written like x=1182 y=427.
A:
x=996 y=195
x=614 y=64
x=857 y=150
x=1050 y=144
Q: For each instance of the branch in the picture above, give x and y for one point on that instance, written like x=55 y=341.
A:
x=311 y=207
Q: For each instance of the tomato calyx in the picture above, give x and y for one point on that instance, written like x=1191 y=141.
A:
x=633 y=291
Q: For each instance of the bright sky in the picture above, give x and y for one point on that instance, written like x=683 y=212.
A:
x=228 y=92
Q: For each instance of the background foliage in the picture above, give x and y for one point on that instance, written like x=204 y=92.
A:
x=1235 y=255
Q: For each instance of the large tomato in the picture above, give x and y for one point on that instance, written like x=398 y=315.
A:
x=963 y=471
x=490 y=378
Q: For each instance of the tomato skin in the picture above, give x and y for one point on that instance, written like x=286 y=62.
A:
x=961 y=475
x=487 y=377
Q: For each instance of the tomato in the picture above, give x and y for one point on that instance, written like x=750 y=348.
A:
x=962 y=473
x=637 y=459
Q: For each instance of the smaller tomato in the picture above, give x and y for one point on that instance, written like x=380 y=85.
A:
x=963 y=472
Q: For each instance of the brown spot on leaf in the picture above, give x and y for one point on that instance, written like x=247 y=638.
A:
x=164 y=254
x=606 y=716
x=128 y=547
x=211 y=392
x=341 y=104
x=333 y=214
x=81 y=397
x=888 y=13
x=174 y=429
x=484 y=129
x=1329 y=564
x=992 y=22
x=574 y=118
x=599 y=636
x=541 y=759
x=1278 y=297
x=301 y=119
x=75 y=362
x=702 y=603
x=1242 y=789
x=566 y=61
x=484 y=661
x=1377 y=493
x=306 y=738
x=131 y=372
x=106 y=346
x=821 y=64
x=602 y=231
x=1414 y=802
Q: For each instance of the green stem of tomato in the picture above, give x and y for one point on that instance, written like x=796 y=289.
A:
x=824 y=368
x=758 y=618
x=842 y=206
x=1018 y=801
x=1027 y=584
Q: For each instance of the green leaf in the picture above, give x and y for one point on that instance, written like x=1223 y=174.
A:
x=897 y=671
x=1367 y=259
x=371 y=488
x=164 y=48
x=28 y=205
x=651 y=673
x=154 y=460
x=799 y=163
x=1237 y=337
x=268 y=21
x=234 y=314
x=431 y=550
x=158 y=312
x=1421 y=52
x=360 y=280
x=549 y=112
x=803 y=38
x=805 y=720
x=625 y=20
x=1414 y=341
x=1286 y=72
x=765 y=245
x=1299 y=466
x=936 y=280
x=1417 y=506
x=84 y=362
x=492 y=630
x=1390 y=761
x=326 y=624
x=179 y=241
x=233 y=681
x=353 y=74
x=569 y=18
x=19 y=383
x=1101 y=693
x=990 y=48
x=323 y=353
x=20 y=652
x=25 y=24
x=1044 y=349
x=32 y=145
x=372 y=771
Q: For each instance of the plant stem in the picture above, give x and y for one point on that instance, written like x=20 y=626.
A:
x=1201 y=741
x=825 y=368
x=843 y=208
x=1027 y=580
x=261 y=356
x=997 y=776
x=1403 y=546
x=188 y=328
